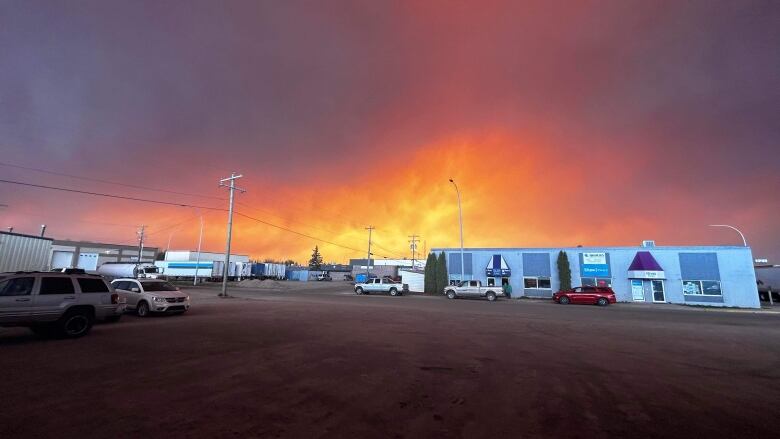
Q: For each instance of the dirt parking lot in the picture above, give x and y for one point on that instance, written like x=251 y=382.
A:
x=306 y=361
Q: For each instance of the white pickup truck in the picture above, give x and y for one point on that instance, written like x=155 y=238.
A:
x=473 y=288
x=376 y=285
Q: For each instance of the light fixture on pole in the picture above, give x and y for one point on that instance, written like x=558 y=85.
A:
x=744 y=241
x=460 y=216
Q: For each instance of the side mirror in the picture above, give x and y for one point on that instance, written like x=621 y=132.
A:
x=135 y=290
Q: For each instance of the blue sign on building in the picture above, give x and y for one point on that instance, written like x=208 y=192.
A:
x=497 y=267
x=594 y=265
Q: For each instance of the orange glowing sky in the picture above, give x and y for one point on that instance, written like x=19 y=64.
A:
x=604 y=124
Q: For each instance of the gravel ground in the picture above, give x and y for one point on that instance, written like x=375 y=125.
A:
x=315 y=360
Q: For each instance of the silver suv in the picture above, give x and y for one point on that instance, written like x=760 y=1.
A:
x=147 y=296
x=61 y=304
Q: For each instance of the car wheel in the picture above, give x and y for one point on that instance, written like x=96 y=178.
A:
x=393 y=292
x=491 y=296
x=143 y=309
x=564 y=300
x=113 y=319
x=75 y=323
x=359 y=290
x=602 y=301
x=450 y=294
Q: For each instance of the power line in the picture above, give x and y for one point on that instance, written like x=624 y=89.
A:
x=286 y=229
x=99 y=194
x=98 y=180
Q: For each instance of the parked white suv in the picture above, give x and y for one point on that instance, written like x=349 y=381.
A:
x=61 y=304
x=147 y=296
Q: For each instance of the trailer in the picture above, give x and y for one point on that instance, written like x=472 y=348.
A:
x=181 y=270
x=135 y=270
x=266 y=270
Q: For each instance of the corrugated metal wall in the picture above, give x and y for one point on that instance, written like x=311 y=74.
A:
x=24 y=253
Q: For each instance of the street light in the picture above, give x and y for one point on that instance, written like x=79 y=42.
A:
x=460 y=215
x=744 y=242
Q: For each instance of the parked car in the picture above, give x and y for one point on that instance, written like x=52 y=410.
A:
x=376 y=285
x=146 y=296
x=60 y=304
x=324 y=277
x=601 y=296
x=473 y=288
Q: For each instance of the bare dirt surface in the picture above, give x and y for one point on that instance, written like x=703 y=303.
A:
x=318 y=361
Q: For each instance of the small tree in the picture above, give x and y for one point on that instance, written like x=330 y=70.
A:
x=316 y=259
x=441 y=273
x=430 y=274
x=564 y=270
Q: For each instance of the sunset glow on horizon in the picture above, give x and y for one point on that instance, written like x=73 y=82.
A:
x=562 y=126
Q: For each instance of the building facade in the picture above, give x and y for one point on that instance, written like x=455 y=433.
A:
x=697 y=275
x=91 y=255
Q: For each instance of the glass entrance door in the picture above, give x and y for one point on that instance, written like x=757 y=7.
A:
x=658 y=291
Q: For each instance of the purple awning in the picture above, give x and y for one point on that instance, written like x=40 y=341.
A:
x=644 y=261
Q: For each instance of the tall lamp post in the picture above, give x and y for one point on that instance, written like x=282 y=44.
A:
x=460 y=216
x=744 y=241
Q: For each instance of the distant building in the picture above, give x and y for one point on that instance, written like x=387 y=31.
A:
x=91 y=255
x=692 y=275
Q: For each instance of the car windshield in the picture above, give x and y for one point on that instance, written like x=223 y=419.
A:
x=158 y=286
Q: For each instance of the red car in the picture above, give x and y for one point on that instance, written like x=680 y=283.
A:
x=601 y=296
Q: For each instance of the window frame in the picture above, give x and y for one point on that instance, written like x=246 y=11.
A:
x=701 y=287
x=81 y=288
x=596 y=281
x=43 y=279
x=536 y=279
x=12 y=279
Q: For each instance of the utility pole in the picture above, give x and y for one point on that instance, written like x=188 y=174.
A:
x=413 y=247
x=368 y=259
x=232 y=187
x=197 y=261
x=141 y=242
x=460 y=216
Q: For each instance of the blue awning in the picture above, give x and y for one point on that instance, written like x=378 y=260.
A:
x=497 y=267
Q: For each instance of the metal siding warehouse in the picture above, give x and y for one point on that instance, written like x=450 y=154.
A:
x=695 y=275
x=20 y=252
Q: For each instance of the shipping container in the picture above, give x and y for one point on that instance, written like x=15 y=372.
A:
x=24 y=252
x=185 y=269
x=265 y=270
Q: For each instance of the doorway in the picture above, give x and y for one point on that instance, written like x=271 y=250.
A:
x=658 y=291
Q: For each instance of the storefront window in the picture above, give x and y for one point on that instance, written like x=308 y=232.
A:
x=597 y=281
x=542 y=283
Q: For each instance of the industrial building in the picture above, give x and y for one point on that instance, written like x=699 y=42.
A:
x=19 y=252
x=691 y=275
x=91 y=255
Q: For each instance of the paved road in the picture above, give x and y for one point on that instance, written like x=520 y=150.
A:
x=326 y=363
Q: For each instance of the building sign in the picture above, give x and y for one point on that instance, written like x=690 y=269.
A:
x=497 y=267
x=594 y=265
x=646 y=274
